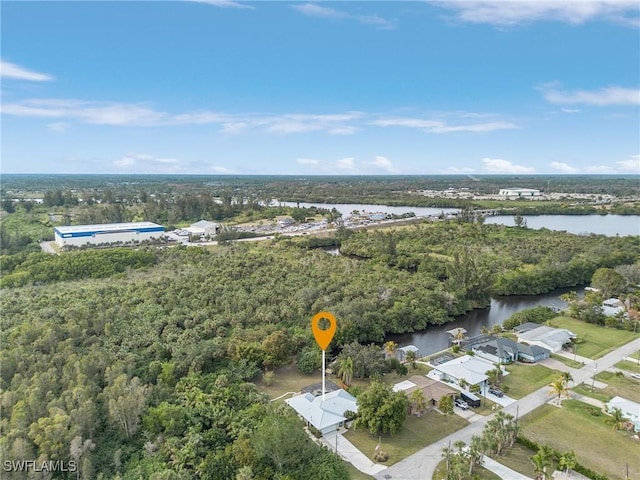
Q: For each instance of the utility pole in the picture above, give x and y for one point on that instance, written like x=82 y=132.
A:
x=593 y=382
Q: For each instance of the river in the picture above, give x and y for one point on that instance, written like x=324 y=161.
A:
x=609 y=225
x=435 y=338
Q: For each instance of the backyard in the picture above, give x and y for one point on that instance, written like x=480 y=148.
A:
x=608 y=450
x=621 y=386
x=524 y=379
x=594 y=341
x=415 y=434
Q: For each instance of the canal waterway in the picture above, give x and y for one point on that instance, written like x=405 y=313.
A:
x=609 y=225
x=435 y=338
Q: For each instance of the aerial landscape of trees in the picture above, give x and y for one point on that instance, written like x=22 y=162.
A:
x=144 y=363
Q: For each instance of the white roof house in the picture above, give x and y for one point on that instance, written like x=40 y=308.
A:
x=612 y=307
x=328 y=415
x=203 y=227
x=473 y=370
x=630 y=410
x=547 y=337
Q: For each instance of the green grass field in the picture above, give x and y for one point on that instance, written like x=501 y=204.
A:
x=355 y=474
x=525 y=379
x=479 y=473
x=625 y=387
x=417 y=433
x=595 y=340
x=597 y=446
x=628 y=366
x=517 y=458
x=568 y=362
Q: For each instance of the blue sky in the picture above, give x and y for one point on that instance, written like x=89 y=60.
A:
x=225 y=87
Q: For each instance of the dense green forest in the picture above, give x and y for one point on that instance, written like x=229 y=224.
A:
x=138 y=364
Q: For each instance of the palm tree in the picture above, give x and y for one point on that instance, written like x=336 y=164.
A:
x=568 y=461
x=390 y=349
x=411 y=358
x=541 y=460
x=476 y=452
x=616 y=420
x=346 y=370
x=418 y=402
x=567 y=377
x=558 y=387
x=459 y=335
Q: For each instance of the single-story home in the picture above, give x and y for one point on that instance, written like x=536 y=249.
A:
x=433 y=390
x=325 y=415
x=630 y=410
x=552 y=339
x=612 y=307
x=203 y=227
x=503 y=351
x=470 y=369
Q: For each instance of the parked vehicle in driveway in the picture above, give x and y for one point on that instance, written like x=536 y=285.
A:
x=461 y=403
x=496 y=392
x=635 y=375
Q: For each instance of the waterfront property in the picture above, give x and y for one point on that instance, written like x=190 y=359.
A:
x=551 y=338
x=503 y=351
x=401 y=352
x=325 y=415
x=79 y=235
x=612 y=307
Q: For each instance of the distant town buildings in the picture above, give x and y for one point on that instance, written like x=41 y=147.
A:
x=79 y=235
x=519 y=192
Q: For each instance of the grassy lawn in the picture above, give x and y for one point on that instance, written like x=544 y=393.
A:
x=524 y=379
x=479 y=473
x=628 y=366
x=517 y=458
x=417 y=433
x=355 y=474
x=289 y=379
x=596 y=340
x=597 y=446
x=625 y=387
x=568 y=362
x=585 y=389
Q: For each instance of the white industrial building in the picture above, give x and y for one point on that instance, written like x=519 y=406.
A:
x=518 y=192
x=203 y=227
x=78 y=235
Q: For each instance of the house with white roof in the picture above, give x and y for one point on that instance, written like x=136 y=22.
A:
x=552 y=339
x=630 y=410
x=325 y=415
x=612 y=307
x=470 y=369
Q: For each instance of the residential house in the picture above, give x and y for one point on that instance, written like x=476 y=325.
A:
x=552 y=339
x=503 y=351
x=470 y=369
x=630 y=410
x=433 y=390
x=325 y=415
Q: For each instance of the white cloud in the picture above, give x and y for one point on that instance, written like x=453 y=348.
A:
x=382 y=163
x=459 y=170
x=314 y=10
x=570 y=110
x=219 y=169
x=498 y=165
x=631 y=165
x=58 y=127
x=601 y=98
x=439 y=126
x=346 y=163
x=11 y=70
x=599 y=169
x=308 y=161
x=143 y=162
x=225 y=4
x=563 y=167
x=515 y=12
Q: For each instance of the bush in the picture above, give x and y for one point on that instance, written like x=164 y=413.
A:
x=309 y=360
x=533 y=315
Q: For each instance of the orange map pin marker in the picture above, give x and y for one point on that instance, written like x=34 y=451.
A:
x=323 y=337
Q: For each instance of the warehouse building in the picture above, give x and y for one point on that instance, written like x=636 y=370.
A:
x=78 y=235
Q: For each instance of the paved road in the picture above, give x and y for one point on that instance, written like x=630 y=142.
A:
x=423 y=463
